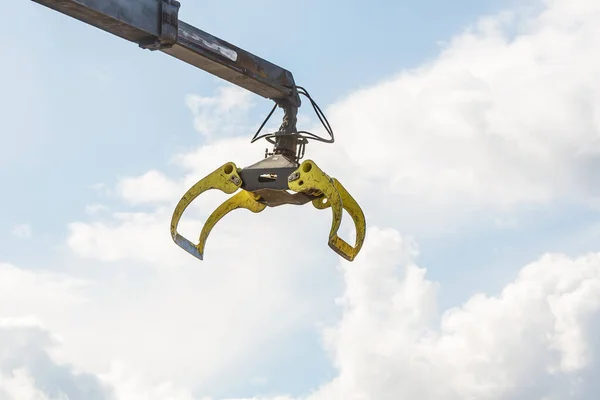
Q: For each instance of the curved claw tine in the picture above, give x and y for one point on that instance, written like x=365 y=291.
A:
x=310 y=177
x=225 y=179
x=243 y=199
x=353 y=209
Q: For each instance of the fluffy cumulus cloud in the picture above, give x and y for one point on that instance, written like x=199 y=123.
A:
x=507 y=116
x=533 y=340
x=28 y=371
x=23 y=292
x=151 y=187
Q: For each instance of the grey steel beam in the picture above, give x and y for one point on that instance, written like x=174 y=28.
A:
x=155 y=25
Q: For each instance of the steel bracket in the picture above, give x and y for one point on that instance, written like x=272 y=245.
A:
x=168 y=26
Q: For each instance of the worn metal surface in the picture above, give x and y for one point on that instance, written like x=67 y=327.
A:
x=308 y=178
x=241 y=199
x=275 y=198
x=168 y=26
x=269 y=173
x=148 y=22
x=133 y=20
x=308 y=182
x=226 y=179
x=234 y=64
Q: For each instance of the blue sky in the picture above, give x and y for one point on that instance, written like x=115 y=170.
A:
x=81 y=107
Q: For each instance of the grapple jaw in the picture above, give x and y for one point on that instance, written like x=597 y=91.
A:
x=309 y=178
x=268 y=183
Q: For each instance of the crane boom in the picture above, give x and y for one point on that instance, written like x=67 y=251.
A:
x=155 y=25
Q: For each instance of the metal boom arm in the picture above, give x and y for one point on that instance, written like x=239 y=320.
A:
x=155 y=25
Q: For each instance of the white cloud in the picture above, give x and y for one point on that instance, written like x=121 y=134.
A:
x=222 y=114
x=28 y=371
x=19 y=385
x=22 y=231
x=213 y=323
x=128 y=385
x=498 y=121
x=129 y=236
x=530 y=341
x=535 y=339
x=25 y=292
x=508 y=115
x=249 y=291
x=92 y=209
x=151 y=187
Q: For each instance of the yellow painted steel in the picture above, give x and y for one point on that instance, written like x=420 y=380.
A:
x=225 y=179
x=357 y=215
x=242 y=199
x=309 y=177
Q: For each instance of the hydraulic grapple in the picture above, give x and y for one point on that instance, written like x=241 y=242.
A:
x=155 y=25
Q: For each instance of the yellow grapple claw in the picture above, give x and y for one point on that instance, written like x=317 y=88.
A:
x=225 y=179
x=355 y=212
x=242 y=199
x=268 y=184
x=309 y=178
